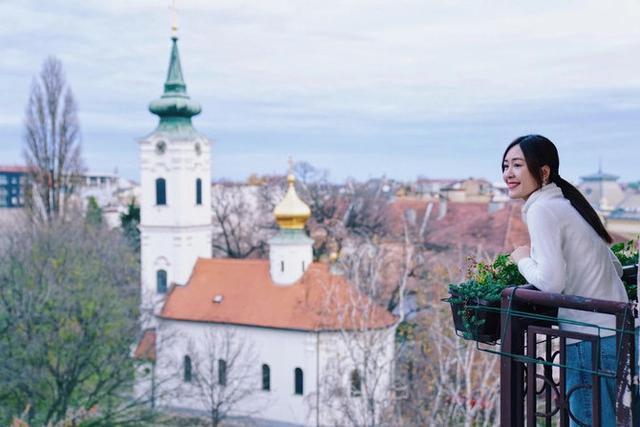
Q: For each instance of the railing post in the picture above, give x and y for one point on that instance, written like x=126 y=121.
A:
x=511 y=370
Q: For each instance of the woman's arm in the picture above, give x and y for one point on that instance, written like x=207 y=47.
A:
x=546 y=268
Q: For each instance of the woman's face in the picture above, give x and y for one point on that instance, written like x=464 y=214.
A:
x=517 y=176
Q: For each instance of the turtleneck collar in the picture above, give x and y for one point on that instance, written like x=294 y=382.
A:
x=548 y=191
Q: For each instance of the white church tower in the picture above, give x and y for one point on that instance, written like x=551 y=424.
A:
x=175 y=210
x=290 y=251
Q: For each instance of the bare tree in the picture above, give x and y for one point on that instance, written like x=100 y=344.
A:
x=353 y=211
x=52 y=142
x=241 y=223
x=359 y=381
x=223 y=372
x=449 y=381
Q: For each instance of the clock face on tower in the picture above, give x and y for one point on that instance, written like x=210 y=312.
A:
x=161 y=147
x=198 y=148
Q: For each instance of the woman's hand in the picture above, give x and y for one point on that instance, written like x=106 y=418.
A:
x=519 y=253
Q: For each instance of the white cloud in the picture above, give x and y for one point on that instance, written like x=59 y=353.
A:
x=347 y=68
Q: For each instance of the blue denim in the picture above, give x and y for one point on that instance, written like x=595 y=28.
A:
x=579 y=356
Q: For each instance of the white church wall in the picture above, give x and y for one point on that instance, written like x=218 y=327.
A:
x=174 y=235
x=289 y=261
x=340 y=354
x=281 y=350
x=180 y=166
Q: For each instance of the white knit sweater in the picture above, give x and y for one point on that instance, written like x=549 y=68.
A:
x=569 y=257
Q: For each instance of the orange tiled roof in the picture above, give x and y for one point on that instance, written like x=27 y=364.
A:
x=466 y=225
x=14 y=169
x=318 y=301
x=146 y=349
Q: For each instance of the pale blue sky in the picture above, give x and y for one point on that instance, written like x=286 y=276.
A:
x=362 y=88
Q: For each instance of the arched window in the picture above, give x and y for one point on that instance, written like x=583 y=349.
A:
x=266 y=377
x=161 y=281
x=198 y=191
x=282 y=266
x=222 y=372
x=299 y=382
x=356 y=383
x=161 y=191
x=187 y=369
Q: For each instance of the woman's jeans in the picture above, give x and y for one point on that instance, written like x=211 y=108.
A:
x=579 y=356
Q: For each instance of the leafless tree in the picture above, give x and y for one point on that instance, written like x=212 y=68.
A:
x=241 y=223
x=359 y=382
x=52 y=142
x=353 y=211
x=449 y=381
x=223 y=372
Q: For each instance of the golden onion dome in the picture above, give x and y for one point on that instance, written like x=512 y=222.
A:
x=291 y=212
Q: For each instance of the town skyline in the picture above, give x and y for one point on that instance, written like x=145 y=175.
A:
x=420 y=90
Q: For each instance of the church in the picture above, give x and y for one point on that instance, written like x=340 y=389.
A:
x=283 y=341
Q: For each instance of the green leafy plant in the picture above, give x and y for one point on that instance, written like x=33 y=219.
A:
x=485 y=283
x=627 y=254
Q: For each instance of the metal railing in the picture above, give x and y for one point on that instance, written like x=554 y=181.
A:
x=533 y=364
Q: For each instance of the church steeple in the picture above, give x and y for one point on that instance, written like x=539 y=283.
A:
x=291 y=213
x=175 y=108
x=290 y=250
x=175 y=206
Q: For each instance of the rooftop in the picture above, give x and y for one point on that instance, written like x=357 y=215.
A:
x=318 y=301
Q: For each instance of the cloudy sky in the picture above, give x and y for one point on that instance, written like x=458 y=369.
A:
x=361 y=88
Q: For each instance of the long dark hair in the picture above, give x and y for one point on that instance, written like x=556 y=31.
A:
x=540 y=151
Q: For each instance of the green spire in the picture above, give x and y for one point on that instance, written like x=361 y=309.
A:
x=175 y=82
x=174 y=107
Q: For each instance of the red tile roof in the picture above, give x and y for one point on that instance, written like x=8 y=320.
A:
x=320 y=300
x=14 y=169
x=466 y=225
x=146 y=349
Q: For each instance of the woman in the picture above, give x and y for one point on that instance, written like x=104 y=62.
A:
x=569 y=254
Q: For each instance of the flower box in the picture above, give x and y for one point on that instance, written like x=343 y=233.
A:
x=630 y=280
x=475 y=318
x=475 y=303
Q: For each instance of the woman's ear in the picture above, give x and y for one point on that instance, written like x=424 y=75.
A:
x=546 y=172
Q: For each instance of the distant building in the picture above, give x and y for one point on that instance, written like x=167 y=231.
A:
x=601 y=190
x=618 y=207
x=13 y=180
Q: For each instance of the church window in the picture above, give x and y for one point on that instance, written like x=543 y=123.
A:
x=282 y=266
x=161 y=191
x=161 y=281
x=198 y=191
x=356 y=383
x=187 y=369
x=222 y=372
x=299 y=384
x=303 y=265
x=266 y=377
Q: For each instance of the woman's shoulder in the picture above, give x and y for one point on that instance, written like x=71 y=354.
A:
x=554 y=207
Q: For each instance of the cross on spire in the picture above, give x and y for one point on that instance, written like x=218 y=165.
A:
x=174 y=19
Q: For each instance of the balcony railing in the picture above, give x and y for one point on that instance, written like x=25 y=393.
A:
x=534 y=363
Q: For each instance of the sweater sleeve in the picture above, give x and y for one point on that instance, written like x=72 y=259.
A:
x=546 y=267
x=616 y=263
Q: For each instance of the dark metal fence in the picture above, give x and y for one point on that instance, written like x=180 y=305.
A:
x=534 y=349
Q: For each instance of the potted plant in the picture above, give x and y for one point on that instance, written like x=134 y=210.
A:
x=475 y=303
x=627 y=254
